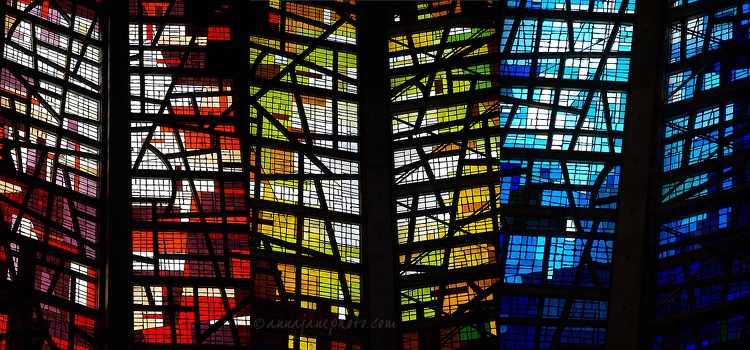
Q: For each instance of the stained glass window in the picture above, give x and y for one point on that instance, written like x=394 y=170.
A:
x=304 y=170
x=701 y=262
x=50 y=194
x=244 y=212
x=188 y=194
x=561 y=121
x=446 y=146
x=254 y=127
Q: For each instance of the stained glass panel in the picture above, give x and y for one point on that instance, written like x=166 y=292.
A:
x=245 y=208
x=50 y=141
x=700 y=261
x=561 y=121
x=445 y=131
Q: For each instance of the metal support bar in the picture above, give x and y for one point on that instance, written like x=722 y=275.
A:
x=632 y=233
x=380 y=238
x=118 y=289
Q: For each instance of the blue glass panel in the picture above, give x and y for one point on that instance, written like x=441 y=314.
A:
x=719 y=33
x=515 y=68
x=670 y=276
x=548 y=68
x=702 y=149
x=739 y=68
x=706 y=118
x=583 y=335
x=554 y=36
x=601 y=251
x=584 y=173
x=547 y=172
x=564 y=253
x=695 y=34
x=518 y=306
x=589 y=310
x=515 y=92
x=526 y=141
x=674 y=189
x=587 y=118
x=616 y=69
x=673 y=155
x=686 y=90
x=727 y=12
x=705 y=296
x=553 y=307
x=525 y=259
x=693 y=226
x=676 y=126
x=525 y=37
x=555 y=198
x=711 y=76
x=564 y=120
x=514 y=337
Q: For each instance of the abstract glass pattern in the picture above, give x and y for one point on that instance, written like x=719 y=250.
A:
x=701 y=258
x=304 y=169
x=189 y=205
x=50 y=176
x=247 y=201
x=561 y=117
x=244 y=207
x=445 y=131
x=713 y=39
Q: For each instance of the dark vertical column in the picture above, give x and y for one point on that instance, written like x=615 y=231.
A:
x=633 y=230
x=375 y=127
x=118 y=289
